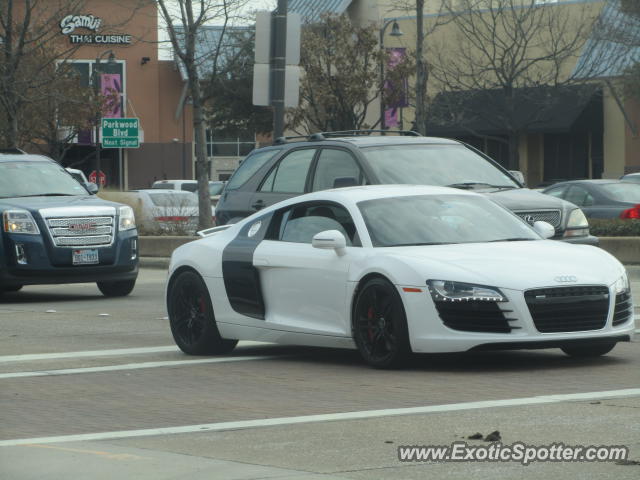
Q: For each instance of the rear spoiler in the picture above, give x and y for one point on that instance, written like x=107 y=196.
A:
x=211 y=231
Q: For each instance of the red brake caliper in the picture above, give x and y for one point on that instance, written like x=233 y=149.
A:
x=201 y=304
x=370 y=315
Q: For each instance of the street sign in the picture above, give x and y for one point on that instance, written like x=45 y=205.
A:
x=120 y=133
x=102 y=177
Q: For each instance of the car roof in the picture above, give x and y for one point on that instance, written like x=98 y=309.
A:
x=595 y=181
x=170 y=191
x=21 y=157
x=372 y=141
x=353 y=195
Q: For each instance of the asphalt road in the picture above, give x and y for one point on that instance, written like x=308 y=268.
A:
x=95 y=388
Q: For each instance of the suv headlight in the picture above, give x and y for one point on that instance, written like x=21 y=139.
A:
x=621 y=285
x=19 y=221
x=577 y=225
x=127 y=219
x=448 y=291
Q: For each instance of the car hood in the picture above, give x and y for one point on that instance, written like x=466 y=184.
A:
x=514 y=265
x=528 y=200
x=37 y=203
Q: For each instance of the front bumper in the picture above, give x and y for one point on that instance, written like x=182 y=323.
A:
x=428 y=334
x=53 y=265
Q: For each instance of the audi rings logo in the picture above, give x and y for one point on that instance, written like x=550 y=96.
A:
x=566 y=278
x=529 y=219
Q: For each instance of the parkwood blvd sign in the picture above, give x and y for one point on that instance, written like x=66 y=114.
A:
x=120 y=133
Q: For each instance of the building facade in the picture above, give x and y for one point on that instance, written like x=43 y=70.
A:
x=117 y=44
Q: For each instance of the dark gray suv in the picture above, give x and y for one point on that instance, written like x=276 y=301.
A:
x=332 y=160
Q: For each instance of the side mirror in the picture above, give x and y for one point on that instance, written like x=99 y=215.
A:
x=342 y=182
x=518 y=176
x=544 y=229
x=92 y=188
x=330 y=240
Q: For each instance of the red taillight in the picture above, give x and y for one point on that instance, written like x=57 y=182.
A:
x=172 y=219
x=632 y=213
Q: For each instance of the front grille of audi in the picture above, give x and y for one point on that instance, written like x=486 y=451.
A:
x=568 y=309
x=81 y=231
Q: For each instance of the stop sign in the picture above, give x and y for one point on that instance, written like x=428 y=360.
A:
x=102 y=177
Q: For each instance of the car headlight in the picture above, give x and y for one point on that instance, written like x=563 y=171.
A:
x=448 y=291
x=577 y=225
x=621 y=285
x=19 y=221
x=127 y=219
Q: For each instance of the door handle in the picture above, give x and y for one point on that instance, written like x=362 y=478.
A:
x=258 y=205
x=260 y=262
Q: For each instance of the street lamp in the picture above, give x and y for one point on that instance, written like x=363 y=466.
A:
x=96 y=89
x=395 y=32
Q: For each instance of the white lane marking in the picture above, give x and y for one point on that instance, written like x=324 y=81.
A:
x=270 y=422
x=130 y=366
x=103 y=353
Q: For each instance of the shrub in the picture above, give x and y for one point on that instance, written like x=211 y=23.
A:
x=614 y=227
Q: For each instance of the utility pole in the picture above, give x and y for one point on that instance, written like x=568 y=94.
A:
x=278 y=67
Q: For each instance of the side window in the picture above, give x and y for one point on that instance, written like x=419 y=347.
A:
x=248 y=167
x=557 y=192
x=190 y=187
x=335 y=164
x=290 y=176
x=300 y=224
x=579 y=196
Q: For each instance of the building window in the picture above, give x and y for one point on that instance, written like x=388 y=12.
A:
x=225 y=146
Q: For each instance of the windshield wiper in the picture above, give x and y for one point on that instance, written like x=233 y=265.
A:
x=514 y=239
x=47 y=195
x=472 y=185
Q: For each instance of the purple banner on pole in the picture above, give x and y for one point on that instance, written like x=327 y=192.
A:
x=398 y=90
x=111 y=89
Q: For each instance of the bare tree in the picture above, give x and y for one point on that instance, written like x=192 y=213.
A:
x=28 y=29
x=184 y=20
x=341 y=76
x=501 y=55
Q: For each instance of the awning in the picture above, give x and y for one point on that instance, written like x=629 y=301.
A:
x=534 y=110
x=312 y=10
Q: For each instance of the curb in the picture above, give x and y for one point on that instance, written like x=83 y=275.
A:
x=160 y=263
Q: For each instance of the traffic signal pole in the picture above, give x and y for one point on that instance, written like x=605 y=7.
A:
x=278 y=67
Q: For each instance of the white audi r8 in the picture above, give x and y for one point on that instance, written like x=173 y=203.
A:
x=392 y=270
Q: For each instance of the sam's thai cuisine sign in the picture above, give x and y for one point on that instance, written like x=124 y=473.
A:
x=70 y=24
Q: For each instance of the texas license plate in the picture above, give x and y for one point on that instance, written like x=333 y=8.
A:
x=85 y=257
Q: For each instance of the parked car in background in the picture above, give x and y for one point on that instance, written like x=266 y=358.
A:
x=339 y=159
x=161 y=211
x=55 y=231
x=215 y=188
x=631 y=177
x=601 y=198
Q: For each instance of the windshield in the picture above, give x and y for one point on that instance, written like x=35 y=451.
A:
x=32 y=179
x=174 y=199
x=215 y=188
x=622 y=192
x=429 y=220
x=442 y=165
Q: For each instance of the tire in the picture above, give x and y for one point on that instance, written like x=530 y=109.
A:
x=193 y=324
x=117 y=289
x=379 y=325
x=593 y=350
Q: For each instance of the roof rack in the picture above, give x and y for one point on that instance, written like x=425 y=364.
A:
x=357 y=133
x=283 y=140
x=12 y=151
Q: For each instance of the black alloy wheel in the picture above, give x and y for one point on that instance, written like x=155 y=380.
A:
x=191 y=317
x=594 y=350
x=379 y=325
